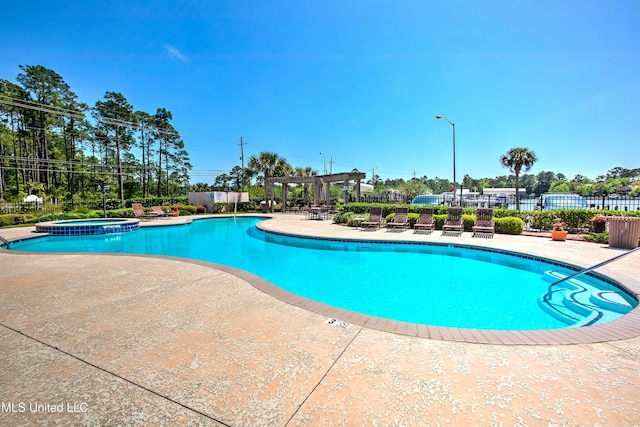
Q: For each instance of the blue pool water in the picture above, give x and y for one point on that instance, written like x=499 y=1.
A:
x=438 y=285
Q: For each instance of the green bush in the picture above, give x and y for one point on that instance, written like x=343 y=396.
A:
x=186 y=209
x=120 y=213
x=439 y=219
x=350 y=219
x=413 y=218
x=356 y=220
x=63 y=216
x=10 y=220
x=597 y=237
x=573 y=218
x=342 y=217
x=468 y=221
x=83 y=210
x=509 y=225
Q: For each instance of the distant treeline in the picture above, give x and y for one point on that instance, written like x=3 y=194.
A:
x=55 y=145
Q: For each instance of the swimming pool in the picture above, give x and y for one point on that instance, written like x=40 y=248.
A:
x=440 y=285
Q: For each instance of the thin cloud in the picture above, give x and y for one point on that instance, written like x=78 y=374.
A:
x=174 y=53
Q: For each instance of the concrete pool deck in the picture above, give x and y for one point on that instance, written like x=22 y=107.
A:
x=114 y=339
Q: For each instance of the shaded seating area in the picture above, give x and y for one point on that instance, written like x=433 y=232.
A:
x=400 y=220
x=317 y=212
x=453 y=224
x=425 y=221
x=139 y=212
x=484 y=225
x=375 y=219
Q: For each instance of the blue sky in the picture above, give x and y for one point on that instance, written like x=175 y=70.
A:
x=359 y=81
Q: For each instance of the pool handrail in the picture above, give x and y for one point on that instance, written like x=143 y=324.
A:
x=586 y=270
x=5 y=241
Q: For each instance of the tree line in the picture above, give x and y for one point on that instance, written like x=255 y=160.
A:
x=617 y=180
x=53 y=144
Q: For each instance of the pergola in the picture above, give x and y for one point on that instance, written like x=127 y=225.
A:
x=318 y=181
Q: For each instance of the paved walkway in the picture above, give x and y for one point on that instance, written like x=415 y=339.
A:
x=136 y=340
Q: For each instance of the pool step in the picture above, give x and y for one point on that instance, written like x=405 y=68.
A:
x=578 y=303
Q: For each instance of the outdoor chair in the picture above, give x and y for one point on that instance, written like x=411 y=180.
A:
x=138 y=212
x=159 y=211
x=484 y=226
x=400 y=220
x=453 y=224
x=425 y=221
x=375 y=219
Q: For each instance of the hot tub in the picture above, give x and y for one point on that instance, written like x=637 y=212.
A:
x=84 y=227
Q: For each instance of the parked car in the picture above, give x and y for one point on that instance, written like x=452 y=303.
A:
x=549 y=202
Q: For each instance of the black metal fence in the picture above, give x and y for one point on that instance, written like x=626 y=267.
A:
x=547 y=202
x=614 y=203
x=36 y=208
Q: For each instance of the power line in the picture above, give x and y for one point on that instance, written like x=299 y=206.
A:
x=32 y=105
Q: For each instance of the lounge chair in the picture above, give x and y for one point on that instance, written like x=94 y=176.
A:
x=159 y=211
x=138 y=212
x=400 y=220
x=453 y=224
x=425 y=221
x=375 y=219
x=484 y=226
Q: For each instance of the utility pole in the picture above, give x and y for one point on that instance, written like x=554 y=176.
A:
x=242 y=144
x=331 y=166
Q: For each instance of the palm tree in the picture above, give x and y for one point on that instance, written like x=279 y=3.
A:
x=516 y=159
x=269 y=165
x=305 y=172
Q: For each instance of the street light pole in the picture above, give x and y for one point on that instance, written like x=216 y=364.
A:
x=325 y=163
x=453 y=127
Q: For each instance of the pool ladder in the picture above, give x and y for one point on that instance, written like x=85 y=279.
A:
x=5 y=241
x=547 y=296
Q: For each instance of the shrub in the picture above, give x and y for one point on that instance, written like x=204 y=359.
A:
x=185 y=209
x=121 y=213
x=349 y=218
x=597 y=237
x=468 y=221
x=62 y=216
x=412 y=218
x=201 y=209
x=509 y=225
x=10 y=220
x=439 y=220
x=356 y=221
x=83 y=210
x=342 y=217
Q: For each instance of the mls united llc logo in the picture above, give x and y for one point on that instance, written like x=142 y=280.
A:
x=35 y=407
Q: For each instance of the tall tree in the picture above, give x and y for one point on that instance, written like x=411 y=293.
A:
x=544 y=180
x=50 y=98
x=114 y=116
x=305 y=172
x=236 y=176
x=169 y=142
x=12 y=119
x=146 y=124
x=516 y=159
x=269 y=164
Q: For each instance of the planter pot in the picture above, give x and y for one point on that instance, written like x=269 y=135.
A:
x=559 y=236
